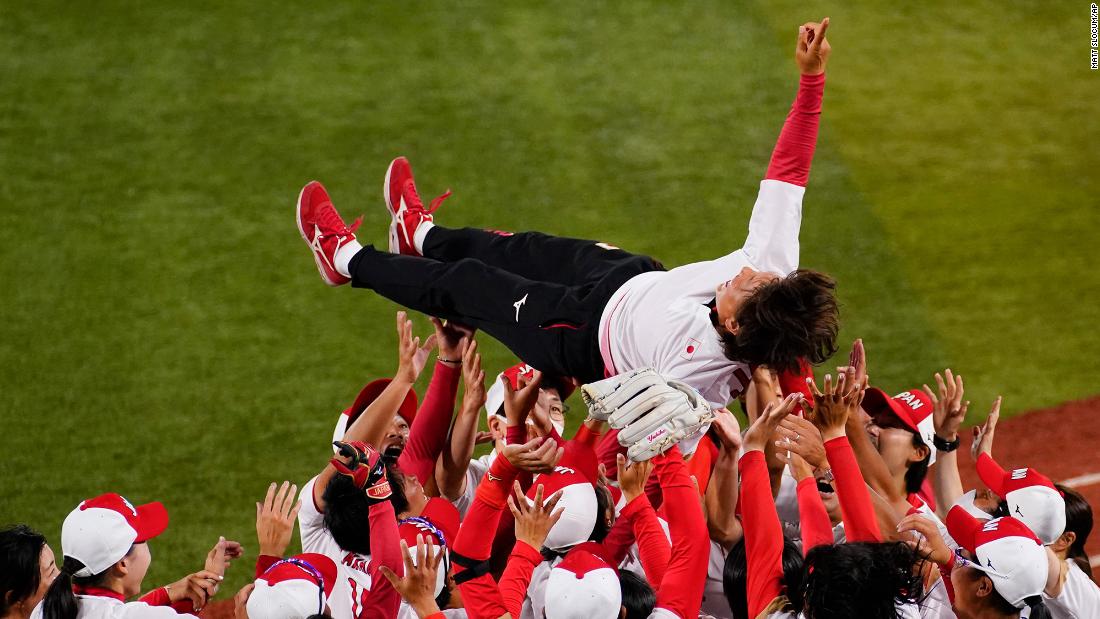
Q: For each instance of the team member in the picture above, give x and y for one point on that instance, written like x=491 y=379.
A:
x=1072 y=592
x=27 y=568
x=105 y=543
x=587 y=310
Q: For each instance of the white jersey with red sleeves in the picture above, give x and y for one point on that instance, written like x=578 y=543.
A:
x=349 y=594
x=660 y=319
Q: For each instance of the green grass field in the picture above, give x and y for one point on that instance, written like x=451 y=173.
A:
x=164 y=334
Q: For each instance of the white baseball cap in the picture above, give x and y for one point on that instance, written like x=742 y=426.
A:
x=101 y=531
x=582 y=586
x=578 y=504
x=1030 y=495
x=293 y=588
x=1007 y=551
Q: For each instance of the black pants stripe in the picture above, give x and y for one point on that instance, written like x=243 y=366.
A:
x=541 y=296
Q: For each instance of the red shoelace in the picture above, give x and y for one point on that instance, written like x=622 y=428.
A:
x=412 y=199
x=331 y=225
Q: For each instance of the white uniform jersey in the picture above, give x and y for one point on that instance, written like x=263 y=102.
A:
x=349 y=593
x=1080 y=596
x=475 y=472
x=99 y=607
x=660 y=319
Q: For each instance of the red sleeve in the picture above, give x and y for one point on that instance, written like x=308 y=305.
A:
x=587 y=436
x=856 y=508
x=517 y=576
x=681 y=588
x=813 y=518
x=795 y=382
x=794 y=150
x=653 y=548
x=607 y=450
x=620 y=537
x=763 y=533
x=428 y=434
x=481 y=595
x=264 y=563
x=516 y=435
x=383 y=601
x=159 y=597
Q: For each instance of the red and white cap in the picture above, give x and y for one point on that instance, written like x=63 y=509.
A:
x=578 y=502
x=582 y=586
x=913 y=408
x=294 y=588
x=438 y=523
x=369 y=394
x=1006 y=550
x=1030 y=495
x=100 y=531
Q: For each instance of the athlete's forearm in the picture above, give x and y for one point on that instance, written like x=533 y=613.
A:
x=794 y=151
x=428 y=434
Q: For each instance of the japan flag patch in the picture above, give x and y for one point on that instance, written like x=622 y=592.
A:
x=687 y=350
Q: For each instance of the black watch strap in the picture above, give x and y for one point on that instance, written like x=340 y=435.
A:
x=945 y=445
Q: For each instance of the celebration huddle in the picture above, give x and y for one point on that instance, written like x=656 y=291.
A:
x=668 y=442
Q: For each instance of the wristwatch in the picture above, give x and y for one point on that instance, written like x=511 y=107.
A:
x=945 y=445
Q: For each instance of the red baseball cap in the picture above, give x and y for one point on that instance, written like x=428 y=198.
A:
x=1031 y=497
x=913 y=408
x=369 y=394
x=101 y=530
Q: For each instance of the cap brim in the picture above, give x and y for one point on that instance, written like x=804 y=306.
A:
x=876 y=402
x=991 y=474
x=963 y=528
x=152 y=520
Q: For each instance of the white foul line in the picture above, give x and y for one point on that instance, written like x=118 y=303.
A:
x=1082 y=480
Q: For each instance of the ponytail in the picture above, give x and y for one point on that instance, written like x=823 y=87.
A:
x=1039 y=610
x=60 y=601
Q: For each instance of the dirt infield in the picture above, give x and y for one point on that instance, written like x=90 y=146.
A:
x=1061 y=442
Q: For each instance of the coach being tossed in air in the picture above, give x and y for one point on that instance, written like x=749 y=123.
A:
x=588 y=310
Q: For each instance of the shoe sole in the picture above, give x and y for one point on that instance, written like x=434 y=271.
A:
x=302 y=231
x=394 y=242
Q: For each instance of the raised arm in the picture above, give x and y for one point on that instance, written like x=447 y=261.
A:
x=372 y=424
x=794 y=150
x=450 y=474
x=428 y=434
x=721 y=495
x=948 y=412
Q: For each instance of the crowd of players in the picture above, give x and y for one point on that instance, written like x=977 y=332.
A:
x=836 y=500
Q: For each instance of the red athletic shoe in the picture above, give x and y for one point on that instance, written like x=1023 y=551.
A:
x=405 y=207
x=323 y=230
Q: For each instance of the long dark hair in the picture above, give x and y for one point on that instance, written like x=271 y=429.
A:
x=20 y=575
x=1078 y=520
x=735 y=577
x=860 y=579
x=60 y=601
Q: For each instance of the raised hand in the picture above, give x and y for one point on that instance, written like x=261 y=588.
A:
x=198 y=588
x=727 y=430
x=800 y=436
x=240 y=601
x=948 y=407
x=275 y=518
x=417 y=585
x=633 y=476
x=764 y=427
x=452 y=339
x=928 y=542
x=534 y=456
x=408 y=366
x=534 y=519
x=983 y=434
x=835 y=404
x=857 y=360
x=812 y=51
x=473 y=378
x=519 y=403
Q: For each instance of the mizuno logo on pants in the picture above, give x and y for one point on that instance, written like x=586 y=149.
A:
x=519 y=304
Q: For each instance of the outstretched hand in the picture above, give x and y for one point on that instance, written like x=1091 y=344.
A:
x=410 y=356
x=417 y=584
x=812 y=51
x=518 y=403
x=473 y=378
x=534 y=519
x=983 y=434
x=761 y=431
x=835 y=404
x=948 y=407
x=275 y=518
x=534 y=456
